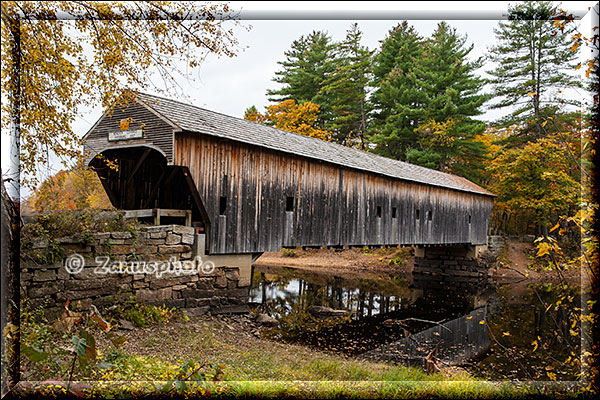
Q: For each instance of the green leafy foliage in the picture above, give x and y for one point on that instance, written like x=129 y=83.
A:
x=84 y=345
x=154 y=375
x=81 y=223
x=288 y=252
x=141 y=314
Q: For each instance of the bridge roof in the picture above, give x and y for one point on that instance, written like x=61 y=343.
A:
x=188 y=117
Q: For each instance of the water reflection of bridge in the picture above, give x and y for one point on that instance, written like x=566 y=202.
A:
x=383 y=310
x=515 y=314
x=365 y=297
x=451 y=342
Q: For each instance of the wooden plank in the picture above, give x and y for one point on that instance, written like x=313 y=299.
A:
x=156 y=215
x=172 y=213
x=138 y=213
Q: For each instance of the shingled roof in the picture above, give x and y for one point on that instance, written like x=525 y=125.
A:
x=195 y=119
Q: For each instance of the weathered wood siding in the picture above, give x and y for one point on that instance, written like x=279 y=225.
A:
x=332 y=205
x=158 y=133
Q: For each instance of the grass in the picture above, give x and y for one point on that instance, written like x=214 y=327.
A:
x=259 y=368
x=155 y=358
x=359 y=390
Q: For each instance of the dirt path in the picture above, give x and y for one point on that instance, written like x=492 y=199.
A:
x=519 y=263
x=518 y=254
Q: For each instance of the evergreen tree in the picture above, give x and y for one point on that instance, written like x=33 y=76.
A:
x=307 y=66
x=347 y=89
x=250 y=111
x=396 y=101
x=452 y=95
x=252 y=114
x=532 y=60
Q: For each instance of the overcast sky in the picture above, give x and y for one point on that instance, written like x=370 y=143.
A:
x=230 y=85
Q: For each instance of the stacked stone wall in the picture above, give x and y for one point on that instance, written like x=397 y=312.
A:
x=450 y=267
x=496 y=243
x=50 y=285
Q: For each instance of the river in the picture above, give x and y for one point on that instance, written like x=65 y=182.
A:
x=494 y=330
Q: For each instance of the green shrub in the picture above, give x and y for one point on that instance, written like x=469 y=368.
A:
x=140 y=314
x=48 y=255
x=288 y=252
x=397 y=261
x=82 y=223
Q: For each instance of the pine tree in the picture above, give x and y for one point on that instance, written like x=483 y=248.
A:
x=304 y=72
x=452 y=95
x=396 y=101
x=347 y=89
x=252 y=114
x=532 y=60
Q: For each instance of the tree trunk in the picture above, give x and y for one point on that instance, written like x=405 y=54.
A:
x=11 y=231
x=11 y=226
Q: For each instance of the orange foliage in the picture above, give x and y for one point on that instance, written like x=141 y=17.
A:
x=69 y=190
x=292 y=117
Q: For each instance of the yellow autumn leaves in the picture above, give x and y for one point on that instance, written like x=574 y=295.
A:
x=293 y=117
x=547 y=244
x=96 y=51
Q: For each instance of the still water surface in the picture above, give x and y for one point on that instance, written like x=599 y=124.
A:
x=496 y=331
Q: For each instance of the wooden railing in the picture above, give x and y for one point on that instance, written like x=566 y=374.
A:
x=157 y=213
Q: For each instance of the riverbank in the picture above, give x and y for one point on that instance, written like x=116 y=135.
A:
x=236 y=362
x=233 y=361
x=356 y=261
x=516 y=262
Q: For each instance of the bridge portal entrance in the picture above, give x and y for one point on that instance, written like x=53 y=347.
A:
x=139 y=178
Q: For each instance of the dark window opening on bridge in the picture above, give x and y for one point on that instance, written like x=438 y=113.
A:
x=394 y=212
x=378 y=211
x=417 y=213
x=224 y=183
x=428 y=215
x=469 y=219
x=289 y=203
x=222 y=205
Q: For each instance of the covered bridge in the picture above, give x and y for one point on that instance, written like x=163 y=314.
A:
x=252 y=188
